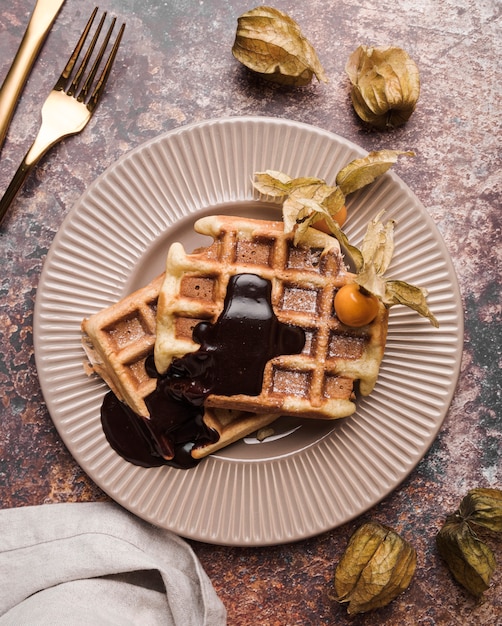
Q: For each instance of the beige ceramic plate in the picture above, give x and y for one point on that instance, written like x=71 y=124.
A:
x=312 y=476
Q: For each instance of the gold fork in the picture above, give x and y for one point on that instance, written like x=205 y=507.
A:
x=70 y=104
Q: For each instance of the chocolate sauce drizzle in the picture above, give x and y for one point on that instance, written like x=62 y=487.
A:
x=231 y=360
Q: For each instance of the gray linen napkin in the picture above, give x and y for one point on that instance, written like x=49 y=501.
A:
x=95 y=563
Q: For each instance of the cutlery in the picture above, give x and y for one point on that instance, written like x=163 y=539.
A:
x=70 y=104
x=40 y=23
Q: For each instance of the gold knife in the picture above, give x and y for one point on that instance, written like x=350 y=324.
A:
x=40 y=23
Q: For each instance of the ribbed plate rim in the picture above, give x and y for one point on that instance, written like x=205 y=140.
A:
x=226 y=501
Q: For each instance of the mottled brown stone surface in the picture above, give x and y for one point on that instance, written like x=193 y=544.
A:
x=175 y=67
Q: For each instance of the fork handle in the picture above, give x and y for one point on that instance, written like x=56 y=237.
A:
x=33 y=156
x=15 y=185
x=40 y=23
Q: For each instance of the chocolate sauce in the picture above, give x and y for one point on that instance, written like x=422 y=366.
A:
x=231 y=360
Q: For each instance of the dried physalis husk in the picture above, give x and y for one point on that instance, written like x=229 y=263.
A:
x=385 y=85
x=483 y=506
x=377 y=565
x=271 y=44
x=307 y=200
x=469 y=559
x=362 y=172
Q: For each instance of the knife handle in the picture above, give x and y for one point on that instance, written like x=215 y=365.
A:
x=40 y=23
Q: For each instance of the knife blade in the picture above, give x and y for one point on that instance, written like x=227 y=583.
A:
x=42 y=18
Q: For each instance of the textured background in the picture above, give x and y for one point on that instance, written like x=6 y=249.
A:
x=176 y=67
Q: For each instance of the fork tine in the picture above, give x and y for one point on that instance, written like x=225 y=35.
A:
x=66 y=73
x=72 y=89
x=100 y=85
x=88 y=82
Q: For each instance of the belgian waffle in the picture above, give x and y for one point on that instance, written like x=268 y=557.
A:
x=319 y=382
x=118 y=340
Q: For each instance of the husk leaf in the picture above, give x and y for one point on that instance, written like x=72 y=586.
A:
x=360 y=549
x=361 y=172
x=483 y=506
x=272 y=183
x=378 y=244
x=401 y=576
x=400 y=292
x=278 y=184
x=372 y=282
